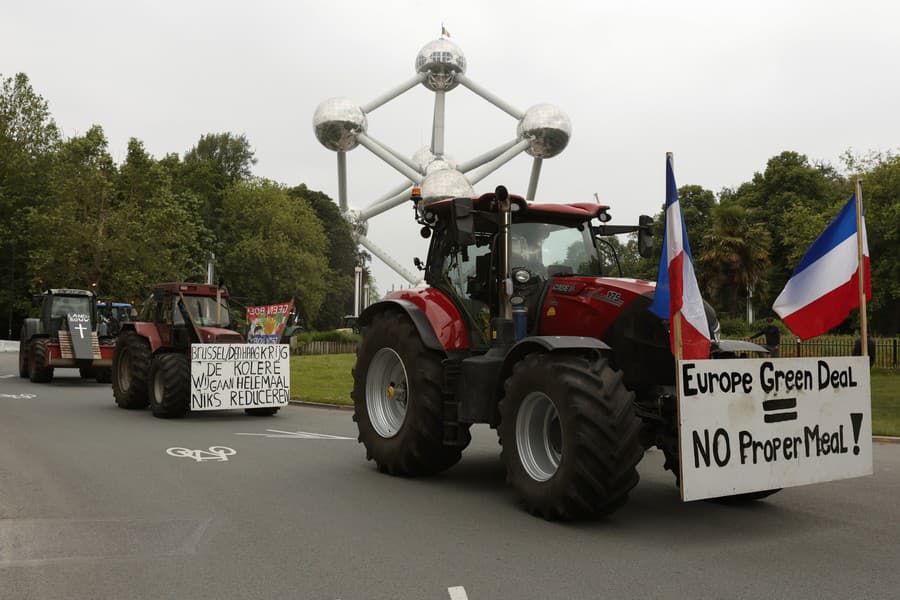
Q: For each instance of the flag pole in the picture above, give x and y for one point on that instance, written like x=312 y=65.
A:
x=676 y=317
x=863 y=328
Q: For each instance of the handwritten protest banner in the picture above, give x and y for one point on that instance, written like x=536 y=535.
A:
x=753 y=425
x=228 y=376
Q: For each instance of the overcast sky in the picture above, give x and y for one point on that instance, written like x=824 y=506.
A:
x=723 y=85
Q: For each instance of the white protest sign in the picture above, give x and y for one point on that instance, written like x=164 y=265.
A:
x=752 y=425
x=228 y=376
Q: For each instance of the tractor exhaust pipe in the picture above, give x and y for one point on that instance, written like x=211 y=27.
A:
x=504 y=332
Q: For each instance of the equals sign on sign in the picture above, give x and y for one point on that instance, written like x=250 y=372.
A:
x=780 y=410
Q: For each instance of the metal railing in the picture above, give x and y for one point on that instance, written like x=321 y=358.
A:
x=308 y=348
x=887 y=350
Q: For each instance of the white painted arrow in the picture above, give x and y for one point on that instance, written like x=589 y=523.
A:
x=300 y=435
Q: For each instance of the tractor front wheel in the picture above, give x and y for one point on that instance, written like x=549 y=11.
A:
x=23 y=356
x=170 y=386
x=569 y=436
x=398 y=407
x=38 y=370
x=131 y=371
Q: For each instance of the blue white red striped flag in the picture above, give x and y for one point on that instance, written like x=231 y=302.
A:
x=824 y=287
x=676 y=284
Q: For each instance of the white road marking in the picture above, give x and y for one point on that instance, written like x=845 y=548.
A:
x=300 y=435
x=18 y=396
x=6 y=376
x=457 y=593
x=215 y=453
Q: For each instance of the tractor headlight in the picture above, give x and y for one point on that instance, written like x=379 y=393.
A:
x=522 y=276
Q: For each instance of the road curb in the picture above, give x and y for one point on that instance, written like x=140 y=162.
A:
x=322 y=405
x=885 y=439
x=9 y=346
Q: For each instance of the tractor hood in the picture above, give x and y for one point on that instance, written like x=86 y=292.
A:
x=219 y=335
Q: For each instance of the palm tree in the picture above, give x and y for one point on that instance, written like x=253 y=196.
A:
x=735 y=256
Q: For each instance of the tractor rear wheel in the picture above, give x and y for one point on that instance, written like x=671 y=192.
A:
x=262 y=412
x=398 y=406
x=38 y=370
x=131 y=371
x=86 y=372
x=170 y=386
x=569 y=436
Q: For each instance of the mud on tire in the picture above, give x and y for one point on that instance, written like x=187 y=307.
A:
x=397 y=400
x=569 y=435
x=131 y=371
x=170 y=386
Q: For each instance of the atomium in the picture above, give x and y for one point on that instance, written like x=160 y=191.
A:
x=543 y=131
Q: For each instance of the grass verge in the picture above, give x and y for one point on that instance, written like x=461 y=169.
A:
x=327 y=379
x=324 y=378
x=885 y=402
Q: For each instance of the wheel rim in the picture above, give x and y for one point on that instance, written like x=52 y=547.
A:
x=387 y=392
x=539 y=436
x=124 y=371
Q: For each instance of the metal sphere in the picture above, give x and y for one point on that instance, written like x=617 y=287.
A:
x=440 y=60
x=336 y=123
x=549 y=129
x=426 y=161
x=443 y=184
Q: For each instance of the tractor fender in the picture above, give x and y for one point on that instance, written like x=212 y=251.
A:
x=415 y=314
x=31 y=328
x=147 y=330
x=546 y=344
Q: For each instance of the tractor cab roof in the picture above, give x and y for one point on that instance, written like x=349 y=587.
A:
x=69 y=292
x=523 y=210
x=190 y=289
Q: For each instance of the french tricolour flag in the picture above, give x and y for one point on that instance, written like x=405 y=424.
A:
x=676 y=285
x=825 y=285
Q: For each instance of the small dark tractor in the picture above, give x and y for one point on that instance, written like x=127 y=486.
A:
x=65 y=335
x=520 y=326
x=152 y=361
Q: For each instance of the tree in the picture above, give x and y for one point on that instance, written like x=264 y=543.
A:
x=28 y=137
x=341 y=253
x=231 y=154
x=273 y=247
x=736 y=255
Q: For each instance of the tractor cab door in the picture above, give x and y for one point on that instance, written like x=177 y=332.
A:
x=467 y=274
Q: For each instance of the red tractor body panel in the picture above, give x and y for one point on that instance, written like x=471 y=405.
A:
x=152 y=333
x=588 y=305
x=442 y=314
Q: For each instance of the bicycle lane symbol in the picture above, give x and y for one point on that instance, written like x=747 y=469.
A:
x=214 y=453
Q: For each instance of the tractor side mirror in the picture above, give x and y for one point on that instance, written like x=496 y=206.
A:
x=645 y=236
x=37 y=300
x=462 y=227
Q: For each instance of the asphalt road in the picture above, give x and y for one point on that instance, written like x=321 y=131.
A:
x=93 y=506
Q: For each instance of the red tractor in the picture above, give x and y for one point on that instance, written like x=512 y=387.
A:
x=65 y=335
x=152 y=364
x=520 y=328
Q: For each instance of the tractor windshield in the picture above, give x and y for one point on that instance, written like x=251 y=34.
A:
x=203 y=309
x=548 y=250
x=67 y=305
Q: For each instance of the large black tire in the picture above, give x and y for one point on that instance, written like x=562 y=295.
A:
x=39 y=372
x=86 y=372
x=131 y=371
x=397 y=400
x=262 y=412
x=23 y=356
x=569 y=436
x=103 y=374
x=170 y=386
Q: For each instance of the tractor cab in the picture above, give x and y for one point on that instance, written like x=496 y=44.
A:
x=545 y=242
x=57 y=304
x=188 y=312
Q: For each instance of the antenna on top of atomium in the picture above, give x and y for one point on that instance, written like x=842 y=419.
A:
x=542 y=131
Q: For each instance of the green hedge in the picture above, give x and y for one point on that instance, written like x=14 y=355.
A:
x=326 y=336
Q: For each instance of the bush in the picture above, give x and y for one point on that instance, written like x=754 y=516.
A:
x=735 y=328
